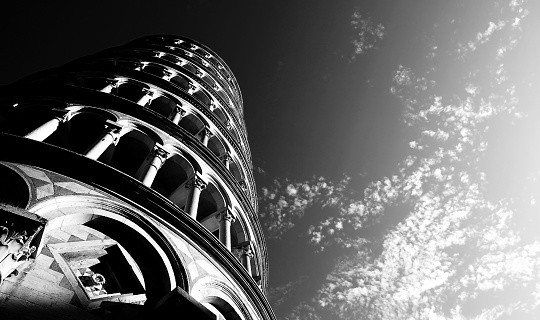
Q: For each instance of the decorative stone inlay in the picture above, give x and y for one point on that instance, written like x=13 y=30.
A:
x=48 y=184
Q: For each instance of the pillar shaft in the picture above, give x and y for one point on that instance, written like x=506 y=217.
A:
x=111 y=84
x=159 y=155
x=206 y=134
x=45 y=130
x=226 y=158
x=112 y=135
x=179 y=114
x=247 y=255
x=149 y=95
x=195 y=185
x=225 y=220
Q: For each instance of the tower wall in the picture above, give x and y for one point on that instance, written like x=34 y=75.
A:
x=127 y=189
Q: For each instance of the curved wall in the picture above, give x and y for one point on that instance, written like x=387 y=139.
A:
x=138 y=188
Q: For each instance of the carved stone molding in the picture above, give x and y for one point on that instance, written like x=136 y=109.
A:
x=19 y=238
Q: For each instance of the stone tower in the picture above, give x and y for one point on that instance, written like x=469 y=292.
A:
x=126 y=190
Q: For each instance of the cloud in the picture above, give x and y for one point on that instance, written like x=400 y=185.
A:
x=367 y=33
x=284 y=203
x=444 y=248
x=278 y=295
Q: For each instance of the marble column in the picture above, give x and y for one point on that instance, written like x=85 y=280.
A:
x=226 y=218
x=45 y=130
x=179 y=114
x=192 y=88
x=206 y=134
x=147 y=98
x=195 y=186
x=168 y=75
x=158 y=157
x=111 y=136
x=226 y=158
x=111 y=84
x=247 y=255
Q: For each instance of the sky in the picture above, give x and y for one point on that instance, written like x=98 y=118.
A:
x=394 y=142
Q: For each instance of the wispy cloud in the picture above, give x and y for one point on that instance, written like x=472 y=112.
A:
x=455 y=252
x=284 y=203
x=278 y=295
x=367 y=33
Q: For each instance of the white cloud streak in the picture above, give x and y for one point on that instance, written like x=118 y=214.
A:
x=456 y=254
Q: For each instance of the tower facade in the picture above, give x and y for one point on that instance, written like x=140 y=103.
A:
x=126 y=190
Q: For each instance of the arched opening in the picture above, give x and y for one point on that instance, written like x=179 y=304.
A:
x=111 y=263
x=191 y=68
x=81 y=132
x=223 y=95
x=163 y=105
x=235 y=171
x=130 y=153
x=154 y=70
x=208 y=80
x=13 y=188
x=172 y=177
x=216 y=146
x=191 y=123
x=170 y=57
x=181 y=81
x=210 y=201
x=233 y=133
x=221 y=308
x=93 y=83
x=131 y=91
x=202 y=97
x=221 y=115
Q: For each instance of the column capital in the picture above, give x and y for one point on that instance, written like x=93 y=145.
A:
x=225 y=157
x=152 y=93
x=192 y=88
x=180 y=110
x=207 y=131
x=196 y=182
x=113 y=127
x=225 y=215
x=63 y=115
x=247 y=251
x=140 y=65
x=213 y=105
x=242 y=184
x=167 y=74
x=160 y=152
x=112 y=82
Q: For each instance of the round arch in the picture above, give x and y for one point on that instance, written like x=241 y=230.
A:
x=14 y=189
x=222 y=297
x=161 y=267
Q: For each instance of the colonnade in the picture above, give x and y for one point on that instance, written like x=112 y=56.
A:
x=112 y=134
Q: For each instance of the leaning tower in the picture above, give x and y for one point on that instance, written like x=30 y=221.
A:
x=126 y=190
